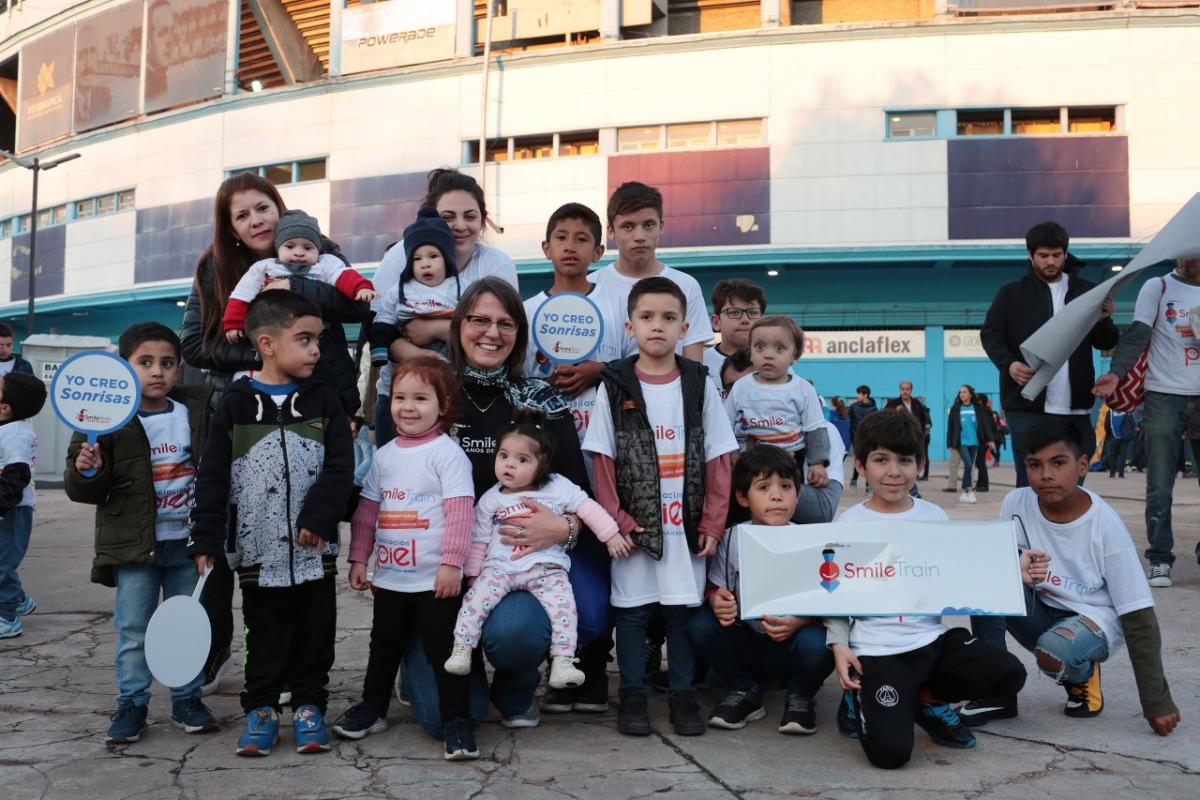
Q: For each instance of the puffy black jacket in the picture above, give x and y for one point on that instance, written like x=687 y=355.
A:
x=983 y=426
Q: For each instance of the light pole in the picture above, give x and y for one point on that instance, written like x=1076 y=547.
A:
x=35 y=165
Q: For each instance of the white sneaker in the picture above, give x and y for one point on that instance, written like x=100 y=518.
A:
x=459 y=662
x=973 y=498
x=564 y=674
x=965 y=497
x=1160 y=576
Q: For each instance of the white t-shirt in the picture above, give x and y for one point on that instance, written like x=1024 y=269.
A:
x=1173 y=366
x=327 y=270
x=614 y=344
x=484 y=261
x=714 y=359
x=887 y=636
x=678 y=578
x=497 y=508
x=774 y=413
x=19 y=445
x=172 y=467
x=699 y=330
x=410 y=483
x=1094 y=567
x=7 y=366
x=425 y=301
x=1058 y=391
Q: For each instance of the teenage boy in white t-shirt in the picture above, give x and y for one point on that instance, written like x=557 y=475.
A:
x=901 y=670
x=1093 y=595
x=660 y=445
x=635 y=222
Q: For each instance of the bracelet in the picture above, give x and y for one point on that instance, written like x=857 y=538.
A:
x=572 y=532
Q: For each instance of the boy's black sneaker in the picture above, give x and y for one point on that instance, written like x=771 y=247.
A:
x=685 y=714
x=799 y=715
x=633 y=717
x=559 y=701
x=847 y=716
x=460 y=740
x=214 y=670
x=979 y=712
x=359 y=721
x=592 y=696
x=944 y=726
x=738 y=708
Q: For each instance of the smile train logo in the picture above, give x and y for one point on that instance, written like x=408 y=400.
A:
x=829 y=571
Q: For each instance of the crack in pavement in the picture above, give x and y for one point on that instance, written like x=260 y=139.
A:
x=1068 y=749
x=708 y=773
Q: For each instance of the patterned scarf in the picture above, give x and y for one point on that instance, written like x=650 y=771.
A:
x=526 y=394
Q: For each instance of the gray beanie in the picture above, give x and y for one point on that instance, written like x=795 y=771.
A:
x=295 y=224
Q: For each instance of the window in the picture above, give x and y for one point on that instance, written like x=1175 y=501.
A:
x=581 y=143
x=106 y=204
x=981 y=123
x=278 y=174
x=527 y=147
x=1091 y=120
x=689 y=137
x=125 y=200
x=85 y=209
x=44 y=218
x=910 y=125
x=1036 y=120
x=5 y=228
x=24 y=221
x=313 y=170
x=740 y=133
x=285 y=172
x=637 y=140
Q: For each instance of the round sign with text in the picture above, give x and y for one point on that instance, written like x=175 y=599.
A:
x=567 y=328
x=95 y=392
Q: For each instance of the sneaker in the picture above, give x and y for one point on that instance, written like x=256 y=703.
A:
x=460 y=740
x=26 y=606
x=1085 y=699
x=285 y=698
x=308 y=727
x=965 y=497
x=214 y=670
x=10 y=628
x=633 y=717
x=944 y=726
x=127 y=725
x=261 y=732
x=799 y=715
x=459 y=662
x=592 y=696
x=192 y=716
x=979 y=712
x=1160 y=576
x=847 y=716
x=529 y=718
x=560 y=701
x=563 y=673
x=738 y=708
x=971 y=498
x=685 y=714
x=359 y=721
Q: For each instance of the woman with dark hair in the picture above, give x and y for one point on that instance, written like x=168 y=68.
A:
x=488 y=337
x=460 y=202
x=969 y=429
x=245 y=216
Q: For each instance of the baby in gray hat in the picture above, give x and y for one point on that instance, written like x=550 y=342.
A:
x=298 y=255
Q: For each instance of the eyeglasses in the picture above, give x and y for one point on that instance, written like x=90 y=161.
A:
x=481 y=324
x=738 y=313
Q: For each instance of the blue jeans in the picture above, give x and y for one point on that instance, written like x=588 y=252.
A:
x=744 y=659
x=1021 y=421
x=138 y=590
x=1065 y=643
x=1166 y=418
x=967 y=453
x=631 y=647
x=15 y=529
x=363 y=451
x=516 y=639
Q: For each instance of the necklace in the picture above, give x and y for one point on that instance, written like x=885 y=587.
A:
x=479 y=408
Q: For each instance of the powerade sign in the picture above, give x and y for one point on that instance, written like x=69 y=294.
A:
x=567 y=328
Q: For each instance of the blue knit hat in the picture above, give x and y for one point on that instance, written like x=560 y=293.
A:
x=429 y=228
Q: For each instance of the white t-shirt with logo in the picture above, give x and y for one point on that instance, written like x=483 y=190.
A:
x=678 y=578
x=699 y=328
x=1173 y=366
x=1094 y=567
x=497 y=508
x=19 y=445
x=1058 y=391
x=888 y=636
x=172 y=467
x=410 y=483
x=774 y=413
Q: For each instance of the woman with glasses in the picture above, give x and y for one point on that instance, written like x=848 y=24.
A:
x=488 y=337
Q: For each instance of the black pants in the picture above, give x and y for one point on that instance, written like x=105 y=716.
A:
x=399 y=615
x=981 y=458
x=289 y=643
x=955 y=666
x=217 y=599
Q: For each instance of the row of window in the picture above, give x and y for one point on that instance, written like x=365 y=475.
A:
x=285 y=172
x=100 y=205
x=685 y=136
x=947 y=123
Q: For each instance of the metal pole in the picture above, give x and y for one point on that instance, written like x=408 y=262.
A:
x=33 y=220
x=487 y=56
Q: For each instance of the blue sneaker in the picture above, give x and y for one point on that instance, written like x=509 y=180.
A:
x=127 y=725
x=10 y=628
x=308 y=726
x=944 y=726
x=27 y=606
x=847 y=716
x=192 y=716
x=261 y=733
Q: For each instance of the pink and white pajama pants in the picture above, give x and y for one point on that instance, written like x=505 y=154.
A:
x=548 y=583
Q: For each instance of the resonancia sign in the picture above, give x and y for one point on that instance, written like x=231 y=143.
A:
x=864 y=344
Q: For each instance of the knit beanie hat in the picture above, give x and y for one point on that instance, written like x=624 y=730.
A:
x=295 y=224
x=429 y=228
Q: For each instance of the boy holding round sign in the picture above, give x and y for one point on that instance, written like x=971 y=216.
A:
x=141 y=477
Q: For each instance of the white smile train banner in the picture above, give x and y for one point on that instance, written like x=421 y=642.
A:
x=880 y=569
